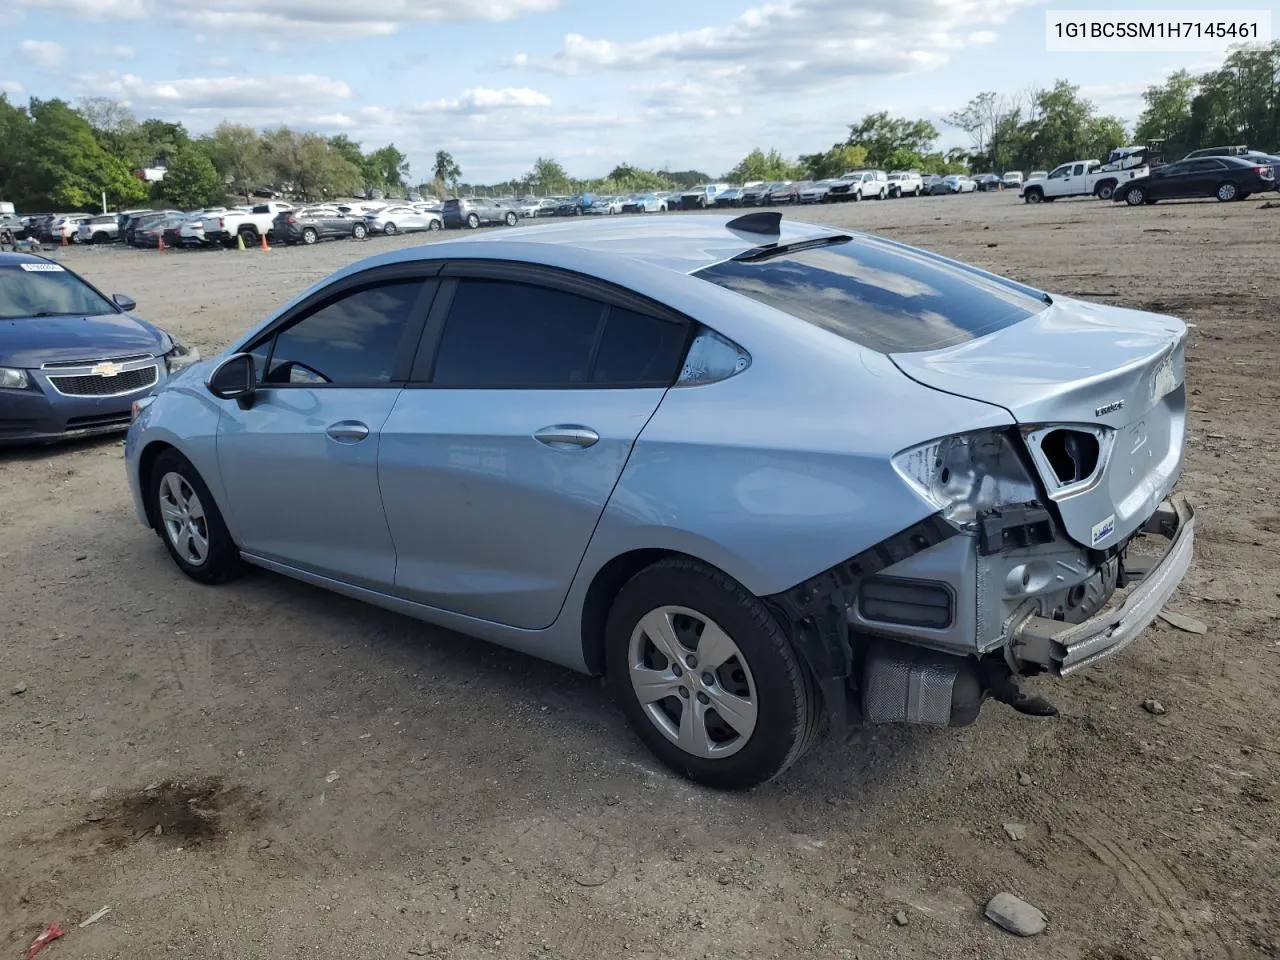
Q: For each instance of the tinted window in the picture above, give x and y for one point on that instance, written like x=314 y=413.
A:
x=1204 y=166
x=46 y=290
x=352 y=340
x=502 y=334
x=638 y=349
x=886 y=298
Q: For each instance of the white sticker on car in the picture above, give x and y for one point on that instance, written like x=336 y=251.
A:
x=1104 y=529
x=1164 y=380
x=42 y=267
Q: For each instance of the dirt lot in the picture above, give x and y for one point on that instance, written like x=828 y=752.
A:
x=367 y=786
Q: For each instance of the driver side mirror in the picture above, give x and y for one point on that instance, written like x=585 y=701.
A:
x=125 y=303
x=235 y=379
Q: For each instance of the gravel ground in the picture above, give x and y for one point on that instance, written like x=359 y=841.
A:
x=267 y=770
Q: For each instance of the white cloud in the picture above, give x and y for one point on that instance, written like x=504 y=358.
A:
x=318 y=19
x=481 y=99
x=44 y=53
x=273 y=96
x=798 y=44
x=121 y=51
x=90 y=9
x=11 y=87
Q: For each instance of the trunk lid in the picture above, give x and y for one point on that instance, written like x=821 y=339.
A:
x=1100 y=395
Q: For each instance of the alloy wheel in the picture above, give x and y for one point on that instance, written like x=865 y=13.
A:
x=692 y=681
x=184 y=519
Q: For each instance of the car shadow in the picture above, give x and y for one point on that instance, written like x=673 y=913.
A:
x=30 y=452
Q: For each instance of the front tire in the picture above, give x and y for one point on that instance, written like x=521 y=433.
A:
x=473 y=221
x=390 y=229
x=1032 y=196
x=184 y=515
x=434 y=225
x=309 y=236
x=707 y=676
x=359 y=231
x=511 y=219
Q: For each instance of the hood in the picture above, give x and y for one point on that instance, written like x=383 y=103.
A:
x=1082 y=373
x=30 y=343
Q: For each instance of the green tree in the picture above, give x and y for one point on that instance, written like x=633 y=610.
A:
x=758 y=165
x=829 y=164
x=309 y=164
x=1167 y=114
x=239 y=155
x=69 y=166
x=112 y=123
x=192 y=181
x=684 y=179
x=1240 y=101
x=387 y=167
x=882 y=135
x=16 y=183
x=548 y=177
x=629 y=179
x=447 y=170
x=156 y=142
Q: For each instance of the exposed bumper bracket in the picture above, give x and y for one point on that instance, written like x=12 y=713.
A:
x=1064 y=648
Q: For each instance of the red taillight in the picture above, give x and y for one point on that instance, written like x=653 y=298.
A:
x=1265 y=172
x=292 y=219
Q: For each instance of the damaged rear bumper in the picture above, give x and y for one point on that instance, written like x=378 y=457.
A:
x=1063 y=648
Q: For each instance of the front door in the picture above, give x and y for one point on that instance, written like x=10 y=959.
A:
x=300 y=465
x=503 y=450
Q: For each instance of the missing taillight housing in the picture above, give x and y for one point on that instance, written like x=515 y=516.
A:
x=1073 y=454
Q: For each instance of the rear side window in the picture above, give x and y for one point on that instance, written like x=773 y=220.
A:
x=506 y=334
x=502 y=334
x=888 y=299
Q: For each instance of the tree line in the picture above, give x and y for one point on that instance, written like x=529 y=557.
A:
x=56 y=155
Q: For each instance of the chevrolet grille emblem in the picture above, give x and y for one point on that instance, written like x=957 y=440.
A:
x=106 y=369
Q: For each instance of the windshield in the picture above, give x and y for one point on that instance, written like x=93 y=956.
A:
x=881 y=296
x=46 y=290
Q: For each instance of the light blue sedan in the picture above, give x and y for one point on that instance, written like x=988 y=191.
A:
x=764 y=476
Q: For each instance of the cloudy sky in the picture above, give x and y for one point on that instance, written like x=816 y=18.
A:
x=593 y=83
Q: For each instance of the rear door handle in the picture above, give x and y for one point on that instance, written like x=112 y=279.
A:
x=567 y=435
x=348 y=431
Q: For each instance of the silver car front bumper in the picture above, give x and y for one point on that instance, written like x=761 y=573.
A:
x=1064 y=648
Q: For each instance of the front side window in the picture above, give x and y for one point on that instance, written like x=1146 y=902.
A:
x=885 y=298
x=351 y=341
x=1060 y=172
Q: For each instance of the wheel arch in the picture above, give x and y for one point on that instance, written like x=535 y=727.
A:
x=146 y=463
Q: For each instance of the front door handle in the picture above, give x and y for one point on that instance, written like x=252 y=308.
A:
x=348 y=431
x=567 y=435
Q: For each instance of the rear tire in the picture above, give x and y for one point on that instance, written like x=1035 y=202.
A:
x=309 y=236
x=1135 y=196
x=1227 y=192
x=185 y=516
x=359 y=231
x=733 y=726
x=389 y=229
x=251 y=237
x=512 y=219
x=434 y=225
x=1105 y=190
x=473 y=221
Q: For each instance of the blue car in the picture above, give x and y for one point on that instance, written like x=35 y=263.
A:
x=764 y=476
x=72 y=361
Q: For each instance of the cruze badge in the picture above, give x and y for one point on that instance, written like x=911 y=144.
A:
x=106 y=369
x=1106 y=408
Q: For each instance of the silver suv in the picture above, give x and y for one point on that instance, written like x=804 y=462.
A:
x=472 y=212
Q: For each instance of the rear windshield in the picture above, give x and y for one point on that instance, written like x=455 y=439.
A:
x=41 y=289
x=886 y=298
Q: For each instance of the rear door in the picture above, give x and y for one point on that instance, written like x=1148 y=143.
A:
x=527 y=395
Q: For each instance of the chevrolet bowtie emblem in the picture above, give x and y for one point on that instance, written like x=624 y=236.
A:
x=106 y=369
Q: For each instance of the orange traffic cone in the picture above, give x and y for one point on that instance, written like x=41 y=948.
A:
x=160 y=244
x=265 y=248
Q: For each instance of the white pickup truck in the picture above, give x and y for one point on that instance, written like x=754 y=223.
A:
x=1080 y=178
x=251 y=225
